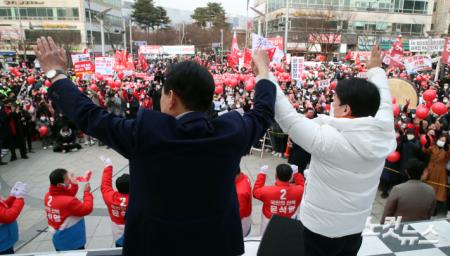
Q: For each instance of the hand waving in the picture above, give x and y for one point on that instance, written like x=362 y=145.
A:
x=49 y=55
x=375 y=58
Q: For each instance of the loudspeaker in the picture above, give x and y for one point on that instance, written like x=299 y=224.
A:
x=283 y=236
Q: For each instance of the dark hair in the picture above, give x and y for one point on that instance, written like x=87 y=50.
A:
x=361 y=95
x=414 y=168
x=310 y=108
x=123 y=183
x=192 y=83
x=57 y=176
x=284 y=172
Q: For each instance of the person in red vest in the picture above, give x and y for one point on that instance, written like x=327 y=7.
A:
x=244 y=193
x=116 y=201
x=65 y=212
x=10 y=209
x=283 y=198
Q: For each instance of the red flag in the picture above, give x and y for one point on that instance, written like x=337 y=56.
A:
x=395 y=56
x=233 y=61
x=271 y=52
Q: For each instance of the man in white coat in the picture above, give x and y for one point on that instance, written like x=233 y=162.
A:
x=348 y=150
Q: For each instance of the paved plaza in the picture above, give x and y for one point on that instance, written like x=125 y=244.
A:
x=34 y=236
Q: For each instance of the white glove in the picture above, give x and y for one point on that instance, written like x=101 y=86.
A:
x=264 y=169
x=19 y=190
x=294 y=169
x=106 y=161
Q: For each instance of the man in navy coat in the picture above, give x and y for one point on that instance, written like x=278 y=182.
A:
x=182 y=164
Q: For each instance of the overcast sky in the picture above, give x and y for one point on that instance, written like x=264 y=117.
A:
x=231 y=6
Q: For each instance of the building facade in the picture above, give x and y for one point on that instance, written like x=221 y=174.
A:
x=68 y=22
x=356 y=24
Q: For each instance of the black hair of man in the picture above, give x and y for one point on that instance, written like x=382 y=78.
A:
x=192 y=83
x=57 y=176
x=361 y=95
x=414 y=168
x=123 y=183
x=284 y=172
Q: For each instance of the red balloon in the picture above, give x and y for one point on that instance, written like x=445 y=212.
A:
x=94 y=87
x=333 y=85
x=429 y=104
x=218 y=90
x=233 y=82
x=43 y=131
x=439 y=108
x=287 y=76
x=423 y=140
x=99 y=77
x=321 y=74
x=393 y=157
x=424 y=84
x=31 y=80
x=226 y=81
x=241 y=77
x=410 y=125
x=120 y=75
x=396 y=110
x=422 y=112
x=249 y=86
x=394 y=100
x=117 y=84
x=81 y=89
x=429 y=95
x=47 y=83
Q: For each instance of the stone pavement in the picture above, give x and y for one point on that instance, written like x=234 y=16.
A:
x=33 y=224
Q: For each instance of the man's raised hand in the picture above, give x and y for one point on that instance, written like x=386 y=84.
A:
x=375 y=58
x=49 y=55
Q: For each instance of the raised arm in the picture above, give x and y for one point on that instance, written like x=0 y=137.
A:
x=116 y=132
x=260 y=118
x=377 y=76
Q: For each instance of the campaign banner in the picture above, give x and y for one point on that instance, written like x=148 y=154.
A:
x=259 y=42
x=297 y=66
x=277 y=42
x=417 y=63
x=84 y=67
x=104 y=66
x=179 y=49
x=80 y=57
x=427 y=45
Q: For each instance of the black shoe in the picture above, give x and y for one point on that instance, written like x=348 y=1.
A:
x=25 y=157
x=14 y=158
x=2 y=163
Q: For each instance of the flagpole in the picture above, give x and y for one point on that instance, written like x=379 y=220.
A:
x=286 y=27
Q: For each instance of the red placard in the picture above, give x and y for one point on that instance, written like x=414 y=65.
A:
x=84 y=67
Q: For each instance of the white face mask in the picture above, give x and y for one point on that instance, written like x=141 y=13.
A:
x=410 y=136
x=440 y=143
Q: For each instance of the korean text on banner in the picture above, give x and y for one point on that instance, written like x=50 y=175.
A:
x=104 y=66
x=417 y=63
x=297 y=66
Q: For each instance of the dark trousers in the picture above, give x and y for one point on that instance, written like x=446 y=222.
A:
x=9 y=251
x=318 y=245
x=18 y=142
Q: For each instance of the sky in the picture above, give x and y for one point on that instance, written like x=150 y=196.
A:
x=231 y=6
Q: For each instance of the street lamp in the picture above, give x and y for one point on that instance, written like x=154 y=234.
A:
x=100 y=17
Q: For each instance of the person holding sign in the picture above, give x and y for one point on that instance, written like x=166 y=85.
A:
x=348 y=150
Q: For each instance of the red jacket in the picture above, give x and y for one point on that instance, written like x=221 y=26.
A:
x=282 y=199
x=244 y=193
x=10 y=209
x=61 y=203
x=116 y=202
